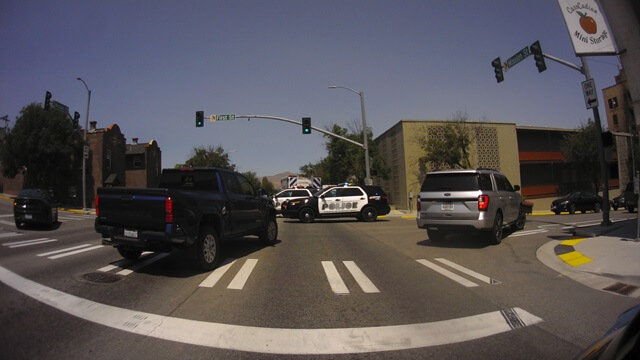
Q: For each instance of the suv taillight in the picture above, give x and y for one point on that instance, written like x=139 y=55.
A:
x=418 y=206
x=483 y=202
x=168 y=210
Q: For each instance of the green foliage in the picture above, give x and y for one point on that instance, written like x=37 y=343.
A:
x=449 y=151
x=43 y=145
x=581 y=149
x=345 y=161
x=209 y=157
x=267 y=186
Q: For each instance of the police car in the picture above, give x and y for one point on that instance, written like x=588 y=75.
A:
x=289 y=194
x=365 y=203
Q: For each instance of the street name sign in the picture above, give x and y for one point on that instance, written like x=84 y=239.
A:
x=519 y=56
x=225 y=117
x=590 y=94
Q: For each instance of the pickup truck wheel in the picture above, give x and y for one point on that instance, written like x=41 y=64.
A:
x=129 y=253
x=269 y=232
x=307 y=215
x=494 y=236
x=207 y=249
x=369 y=214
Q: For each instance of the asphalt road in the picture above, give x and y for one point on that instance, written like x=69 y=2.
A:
x=331 y=289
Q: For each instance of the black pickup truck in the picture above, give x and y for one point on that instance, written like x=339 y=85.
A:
x=191 y=208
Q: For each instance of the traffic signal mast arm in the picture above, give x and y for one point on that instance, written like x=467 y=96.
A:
x=249 y=117
x=564 y=62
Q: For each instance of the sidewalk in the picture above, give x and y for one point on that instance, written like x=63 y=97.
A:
x=602 y=257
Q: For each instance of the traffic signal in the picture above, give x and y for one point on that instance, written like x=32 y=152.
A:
x=199 y=118
x=497 y=68
x=47 y=100
x=536 y=50
x=607 y=139
x=76 y=118
x=306 y=125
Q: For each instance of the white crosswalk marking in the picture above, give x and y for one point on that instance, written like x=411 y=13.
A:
x=217 y=274
x=10 y=234
x=335 y=281
x=242 y=276
x=365 y=284
x=74 y=252
x=469 y=272
x=140 y=265
x=457 y=278
x=63 y=250
x=12 y=223
x=18 y=244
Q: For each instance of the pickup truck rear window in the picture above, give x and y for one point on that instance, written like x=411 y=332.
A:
x=190 y=181
x=456 y=182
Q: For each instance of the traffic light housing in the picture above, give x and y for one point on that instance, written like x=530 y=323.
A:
x=497 y=68
x=306 y=125
x=76 y=118
x=536 y=50
x=199 y=118
x=47 y=100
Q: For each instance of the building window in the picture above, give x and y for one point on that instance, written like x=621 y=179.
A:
x=613 y=102
x=137 y=162
x=615 y=119
x=108 y=159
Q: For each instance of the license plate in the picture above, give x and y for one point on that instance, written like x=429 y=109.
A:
x=28 y=216
x=447 y=207
x=131 y=233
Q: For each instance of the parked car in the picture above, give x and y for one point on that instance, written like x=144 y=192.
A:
x=629 y=198
x=365 y=203
x=289 y=194
x=582 y=201
x=34 y=206
x=481 y=200
x=617 y=202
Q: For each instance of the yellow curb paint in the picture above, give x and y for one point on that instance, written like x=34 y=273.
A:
x=572 y=242
x=409 y=217
x=574 y=258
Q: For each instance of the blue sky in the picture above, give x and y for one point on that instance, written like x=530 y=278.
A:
x=152 y=64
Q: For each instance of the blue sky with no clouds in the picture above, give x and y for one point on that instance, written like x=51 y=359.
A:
x=152 y=64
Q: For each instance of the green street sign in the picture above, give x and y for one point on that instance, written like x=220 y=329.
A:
x=225 y=117
x=519 y=56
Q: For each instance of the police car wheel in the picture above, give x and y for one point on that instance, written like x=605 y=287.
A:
x=307 y=215
x=369 y=213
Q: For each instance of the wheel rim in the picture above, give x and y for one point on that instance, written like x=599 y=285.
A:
x=272 y=230
x=209 y=248
x=572 y=208
x=521 y=219
x=498 y=230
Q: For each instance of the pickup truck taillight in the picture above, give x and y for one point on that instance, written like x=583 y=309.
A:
x=97 y=208
x=483 y=202
x=418 y=205
x=168 y=210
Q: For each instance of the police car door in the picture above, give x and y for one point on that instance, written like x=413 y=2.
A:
x=327 y=201
x=353 y=199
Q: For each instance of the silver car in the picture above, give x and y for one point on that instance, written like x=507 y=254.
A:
x=481 y=200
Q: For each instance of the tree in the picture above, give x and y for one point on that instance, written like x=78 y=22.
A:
x=209 y=157
x=267 y=186
x=581 y=151
x=449 y=147
x=43 y=145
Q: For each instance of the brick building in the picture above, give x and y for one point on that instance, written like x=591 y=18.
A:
x=143 y=164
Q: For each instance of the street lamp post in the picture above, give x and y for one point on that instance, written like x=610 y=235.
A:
x=84 y=152
x=367 y=170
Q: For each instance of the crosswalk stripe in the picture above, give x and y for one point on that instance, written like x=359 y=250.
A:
x=8 y=222
x=442 y=271
x=242 y=276
x=10 y=234
x=335 y=281
x=63 y=250
x=469 y=272
x=42 y=241
x=123 y=263
x=140 y=265
x=365 y=284
x=217 y=274
x=24 y=241
x=74 y=252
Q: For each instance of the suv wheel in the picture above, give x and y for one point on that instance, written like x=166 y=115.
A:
x=307 y=215
x=369 y=214
x=521 y=221
x=572 y=209
x=494 y=236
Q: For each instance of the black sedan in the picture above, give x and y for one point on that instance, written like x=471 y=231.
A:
x=582 y=201
x=34 y=206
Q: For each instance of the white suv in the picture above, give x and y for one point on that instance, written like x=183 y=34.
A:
x=481 y=200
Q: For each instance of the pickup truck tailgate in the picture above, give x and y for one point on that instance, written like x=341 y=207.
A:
x=142 y=209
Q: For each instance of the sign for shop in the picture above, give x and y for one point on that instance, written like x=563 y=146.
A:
x=587 y=28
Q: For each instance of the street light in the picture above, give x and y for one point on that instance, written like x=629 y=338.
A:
x=367 y=179
x=84 y=150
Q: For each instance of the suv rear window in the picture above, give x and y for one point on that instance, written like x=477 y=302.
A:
x=457 y=182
